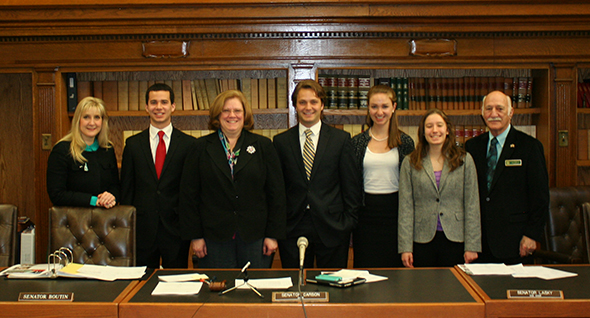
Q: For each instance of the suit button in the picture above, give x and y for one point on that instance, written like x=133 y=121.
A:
x=487 y=199
x=441 y=214
x=236 y=196
x=158 y=192
x=437 y=200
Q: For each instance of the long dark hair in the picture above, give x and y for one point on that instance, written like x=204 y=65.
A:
x=451 y=152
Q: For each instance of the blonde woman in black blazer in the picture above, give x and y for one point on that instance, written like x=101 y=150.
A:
x=232 y=195
x=439 y=223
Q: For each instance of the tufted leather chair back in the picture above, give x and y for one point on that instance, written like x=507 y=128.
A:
x=564 y=231
x=8 y=215
x=95 y=235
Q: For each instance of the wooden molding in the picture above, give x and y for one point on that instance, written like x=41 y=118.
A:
x=433 y=47
x=165 y=49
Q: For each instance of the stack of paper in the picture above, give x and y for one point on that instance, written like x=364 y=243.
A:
x=517 y=271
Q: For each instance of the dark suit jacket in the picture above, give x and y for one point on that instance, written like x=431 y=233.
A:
x=214 y=205
x=154 y=199
x=334 y=190
x=518 y=201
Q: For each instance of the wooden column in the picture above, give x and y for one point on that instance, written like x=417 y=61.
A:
x=45 y=121
x=565 y=122
x=297 y=73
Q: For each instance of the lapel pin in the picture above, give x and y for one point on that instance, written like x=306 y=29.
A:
x=251 y=149
x=511 y=145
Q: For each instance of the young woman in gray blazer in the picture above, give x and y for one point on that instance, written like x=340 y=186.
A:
x=439 y=222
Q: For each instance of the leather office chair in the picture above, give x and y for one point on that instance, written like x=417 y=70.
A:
x=95 y=235
x=8 y=225
x=566 y=240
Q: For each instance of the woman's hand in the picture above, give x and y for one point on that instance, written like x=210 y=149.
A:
x=408 y=259
x=469 y=257
x=106 y=200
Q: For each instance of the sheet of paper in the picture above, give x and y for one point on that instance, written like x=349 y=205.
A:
x=102 y=272
x=488 y=269
x=517 y=271
x=351 y=273
x=267 y=283
x=177 y=288
x=183 y=277
x=543 y=273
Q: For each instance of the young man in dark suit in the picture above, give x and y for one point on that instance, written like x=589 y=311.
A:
x=322 y=184
x=150 y=178
x=513 y=185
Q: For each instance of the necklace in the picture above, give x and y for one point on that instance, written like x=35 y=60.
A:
x=377 y=139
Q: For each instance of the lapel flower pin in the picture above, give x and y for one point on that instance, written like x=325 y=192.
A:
x=511 y=145
x=251 y=149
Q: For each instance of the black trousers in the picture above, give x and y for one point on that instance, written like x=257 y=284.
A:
x=169 y=247
x=440 y=252
x=316 y=252
x=375 y=238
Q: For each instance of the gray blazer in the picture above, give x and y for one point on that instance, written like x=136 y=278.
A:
x=456 y=201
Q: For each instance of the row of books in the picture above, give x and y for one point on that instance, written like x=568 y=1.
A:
x=188 y=94
x=583 y=95
x=421 y=93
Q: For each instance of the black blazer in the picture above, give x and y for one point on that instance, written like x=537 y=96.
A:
x=69 y=185
x=333 y=191
x=154 y=199
x=518 y=201
x=214 y=205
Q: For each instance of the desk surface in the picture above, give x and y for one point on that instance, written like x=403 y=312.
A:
x=576 y=293
x=90 y=297
x=418 y=292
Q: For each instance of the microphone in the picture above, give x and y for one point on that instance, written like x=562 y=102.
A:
x=302 y=244
x=245 y=266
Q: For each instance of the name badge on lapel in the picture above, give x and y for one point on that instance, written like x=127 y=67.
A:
x=513 y=163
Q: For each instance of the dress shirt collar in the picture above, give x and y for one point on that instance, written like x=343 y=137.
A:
x=315 y=129
x=501 y=138
x=154 y=131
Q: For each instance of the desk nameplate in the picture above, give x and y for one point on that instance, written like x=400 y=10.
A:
x=534 y=294
x=45 y=296
x=308 y=297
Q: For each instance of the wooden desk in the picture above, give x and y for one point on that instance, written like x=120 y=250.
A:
x=413 y=293
x=92 y=298
x=576 y=293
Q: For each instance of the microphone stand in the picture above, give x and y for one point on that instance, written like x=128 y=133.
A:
x=242 y=284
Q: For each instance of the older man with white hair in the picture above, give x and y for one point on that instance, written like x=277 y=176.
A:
x=513 y=185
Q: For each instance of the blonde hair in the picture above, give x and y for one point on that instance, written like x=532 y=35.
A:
x=217 y=107
x=77 y=144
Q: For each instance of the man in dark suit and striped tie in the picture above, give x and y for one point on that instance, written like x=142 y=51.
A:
x=322 y=184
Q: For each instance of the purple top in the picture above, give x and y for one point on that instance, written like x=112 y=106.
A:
x=437 y=175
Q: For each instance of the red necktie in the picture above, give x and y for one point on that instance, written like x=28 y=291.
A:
x=160 y=154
